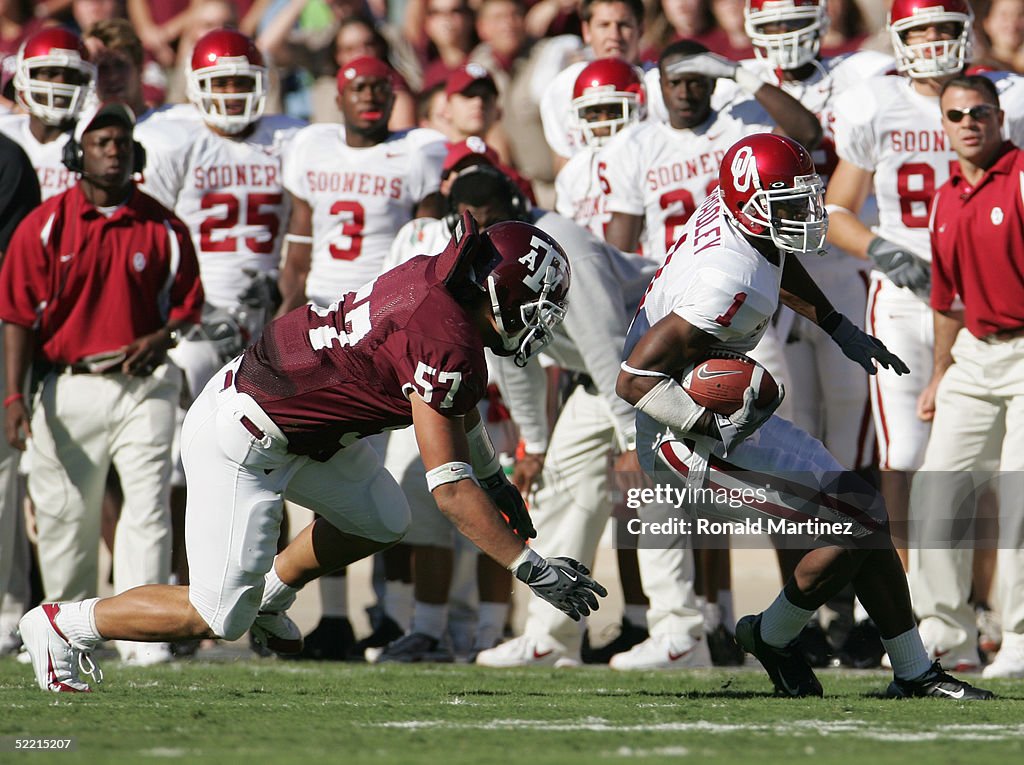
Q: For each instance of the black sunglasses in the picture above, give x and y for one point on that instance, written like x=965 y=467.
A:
x=976 y=113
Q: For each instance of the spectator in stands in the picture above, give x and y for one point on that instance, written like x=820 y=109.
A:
x=847 y=29
x=1002 y=29
x=728 y=37
x=205 y=16
x=16 y=23
x=449 y=37
x=550 y=18
x=674 y=20
x=85 y=13
x=116 y=51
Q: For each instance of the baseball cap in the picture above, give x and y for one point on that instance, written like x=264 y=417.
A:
x=364 y=66
x=472 y=146
x=111 y=111
x=466 y=75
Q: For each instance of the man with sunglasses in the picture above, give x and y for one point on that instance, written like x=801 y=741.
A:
x=976 y=390
x=890 y=143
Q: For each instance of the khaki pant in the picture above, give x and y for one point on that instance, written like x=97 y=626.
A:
x=979 y=421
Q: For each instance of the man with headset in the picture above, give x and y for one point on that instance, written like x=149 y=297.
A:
x=96 y=284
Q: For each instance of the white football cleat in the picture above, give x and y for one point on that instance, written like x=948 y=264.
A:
x=664 y=652
x=1009 y=662
x=57 y=663
x=528 y=651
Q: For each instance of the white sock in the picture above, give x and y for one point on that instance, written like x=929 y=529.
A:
x=782 y=622
x=726 y=608
x=712 y=616
x=78 y=623
x=277 y=596
x=636 y=614
x=430 y=618
x=398 y=598
x=490 y=625
x=907 y=654
x=334 y=597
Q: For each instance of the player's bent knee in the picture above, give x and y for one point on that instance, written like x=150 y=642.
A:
x=228 y=612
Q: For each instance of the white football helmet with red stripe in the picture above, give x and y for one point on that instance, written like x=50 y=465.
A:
x=611 y=83
x=227 y=53
x=51 y=102
x=806 y=22
x=936 y=58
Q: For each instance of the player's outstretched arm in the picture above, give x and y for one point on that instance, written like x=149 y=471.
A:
x=801 y=293
x=563 y=582
x=298 y=256
x=848 y=189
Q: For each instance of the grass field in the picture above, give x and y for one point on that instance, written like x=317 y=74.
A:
x=276 y=712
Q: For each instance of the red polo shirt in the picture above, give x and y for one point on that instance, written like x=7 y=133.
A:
x=978 y=245
x=89 y=284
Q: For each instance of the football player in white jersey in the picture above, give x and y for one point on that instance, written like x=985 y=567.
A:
x=890 y=141
x=352 y=188
x=224 y=179
x=52 y=79
x=607 y=98
x=655 y=176
x=717 y=292
x=609 y=28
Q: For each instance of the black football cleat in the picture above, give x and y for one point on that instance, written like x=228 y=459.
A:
x=629 y=635
x=937 y=683
x=787 y=667
x=725 y=651
x=332 y=640
x=812 y=642
x=863 y=647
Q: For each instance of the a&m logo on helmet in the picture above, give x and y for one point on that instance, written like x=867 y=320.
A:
x=551 y=269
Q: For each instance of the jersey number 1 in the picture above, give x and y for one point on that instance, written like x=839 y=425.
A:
x=737 y=300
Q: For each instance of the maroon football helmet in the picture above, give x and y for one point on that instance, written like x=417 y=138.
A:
x=771 y=191
x=53 y=103
x=607 y=82
x=227 y=53
x=937 y=58
x=792 y=49
x=526 y=276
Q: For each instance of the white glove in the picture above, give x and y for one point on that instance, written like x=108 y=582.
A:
x=741 y=424
x=904 y=268
x=563 y=582
x=715 y=66
x=861 y=347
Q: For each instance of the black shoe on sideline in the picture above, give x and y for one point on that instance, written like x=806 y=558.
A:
x=629 y=635
x=790 y=673
x=332 y=640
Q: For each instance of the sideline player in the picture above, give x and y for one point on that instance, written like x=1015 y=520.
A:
x=717 y=292
x=890 y=142
x=286 y=419
x=52 y=77
x=608 y=97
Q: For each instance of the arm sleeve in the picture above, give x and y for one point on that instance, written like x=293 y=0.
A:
x=445 y=375
x=596 y=322
x=19 y=189
x=854 y=130
x=525 y=393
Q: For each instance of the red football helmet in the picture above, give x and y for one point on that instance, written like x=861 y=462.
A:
x=227 y=53
x=771 y=191
x=607 y=82
x=526 y=276
x=939 y=57
x=792 y=49
x=53 y=103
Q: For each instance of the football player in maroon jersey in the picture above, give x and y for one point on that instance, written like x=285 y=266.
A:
x=286 y=419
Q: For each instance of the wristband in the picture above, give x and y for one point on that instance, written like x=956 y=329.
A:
x=12 y=398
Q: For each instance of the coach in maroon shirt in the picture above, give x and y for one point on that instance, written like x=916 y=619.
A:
x=95 y=284
x=976 y=395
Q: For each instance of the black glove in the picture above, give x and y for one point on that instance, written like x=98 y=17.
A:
x=563 y=582
x=261 y=292
x=861 y=347
x=741 y=424
x=902 y=267
x=510 y=503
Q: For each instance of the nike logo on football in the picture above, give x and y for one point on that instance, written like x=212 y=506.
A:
x=958 y=694
x=704 y=374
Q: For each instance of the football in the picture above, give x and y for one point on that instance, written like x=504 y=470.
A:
x=718 y=382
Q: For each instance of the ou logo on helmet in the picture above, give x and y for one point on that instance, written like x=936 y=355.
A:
x=744 y=170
